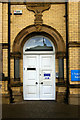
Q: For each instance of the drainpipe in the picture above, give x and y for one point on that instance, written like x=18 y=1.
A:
x=9 y=88
x=67 y=54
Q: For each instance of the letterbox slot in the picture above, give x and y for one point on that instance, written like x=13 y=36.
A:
x=31 y=68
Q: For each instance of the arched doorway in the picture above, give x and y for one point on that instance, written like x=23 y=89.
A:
x=49 y=33
x=38 y=69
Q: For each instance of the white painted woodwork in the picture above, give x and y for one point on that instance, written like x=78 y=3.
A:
x=44 y=65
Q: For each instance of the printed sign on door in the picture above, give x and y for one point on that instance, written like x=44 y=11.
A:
x=47 y=75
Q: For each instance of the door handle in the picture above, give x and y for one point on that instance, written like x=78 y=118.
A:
x=36 y=83
x=41 y=82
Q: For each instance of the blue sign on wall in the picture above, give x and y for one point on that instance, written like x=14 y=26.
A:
x=75 y=75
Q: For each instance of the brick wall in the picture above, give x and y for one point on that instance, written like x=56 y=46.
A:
x=74 y=52
x=0 y=22
x=19 y=22
x=53 y=17
x=73 y=21
x=5 y=22
x=5 y=36
x=0 y=39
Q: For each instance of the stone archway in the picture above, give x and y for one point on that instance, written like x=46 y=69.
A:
x=46 y=30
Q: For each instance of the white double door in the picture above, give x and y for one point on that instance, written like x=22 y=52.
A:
x=39 y=77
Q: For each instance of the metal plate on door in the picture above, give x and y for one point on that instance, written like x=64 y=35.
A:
x=31 y=68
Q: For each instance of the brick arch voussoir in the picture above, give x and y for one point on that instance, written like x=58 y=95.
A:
x=56 y=38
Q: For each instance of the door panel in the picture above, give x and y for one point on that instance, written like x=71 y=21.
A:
x=31 y=75
x=47 y=69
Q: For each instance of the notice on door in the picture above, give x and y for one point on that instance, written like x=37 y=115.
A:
x=75 y=75
x=47 y=75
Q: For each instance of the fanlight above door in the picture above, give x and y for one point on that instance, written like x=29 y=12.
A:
x=38 y=43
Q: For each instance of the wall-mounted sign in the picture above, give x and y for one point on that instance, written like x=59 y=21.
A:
x=75 y=75
x=47 y=75
x=18 y=12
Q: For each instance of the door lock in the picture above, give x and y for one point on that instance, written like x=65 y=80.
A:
x=41 y=82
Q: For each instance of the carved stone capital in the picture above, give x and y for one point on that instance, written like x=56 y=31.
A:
x=38 y=8
x=15 y=54
x=61 y=55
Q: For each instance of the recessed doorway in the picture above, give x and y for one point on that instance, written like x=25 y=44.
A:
x=38 y=69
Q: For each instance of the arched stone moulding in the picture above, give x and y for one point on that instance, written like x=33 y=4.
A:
x=47 y=31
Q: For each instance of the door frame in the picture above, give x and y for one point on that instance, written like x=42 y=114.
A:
x=40 y=53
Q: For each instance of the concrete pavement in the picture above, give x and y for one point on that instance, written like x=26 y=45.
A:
x=40 y=109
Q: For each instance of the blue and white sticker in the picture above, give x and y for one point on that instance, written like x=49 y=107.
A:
x=47 y=75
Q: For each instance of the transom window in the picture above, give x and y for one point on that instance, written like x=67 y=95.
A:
x=38 y=43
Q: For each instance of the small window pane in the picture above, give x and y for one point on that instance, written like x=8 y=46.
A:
x=16 y=66
x=38 y=43
x=61 y=68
